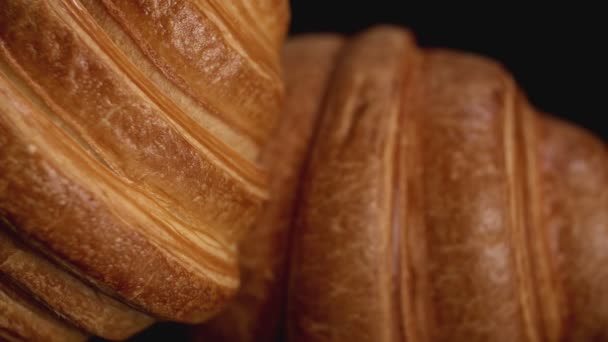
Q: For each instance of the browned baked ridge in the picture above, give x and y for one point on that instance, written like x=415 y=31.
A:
x=256 y=313
x=130 y=133
x=437 y=205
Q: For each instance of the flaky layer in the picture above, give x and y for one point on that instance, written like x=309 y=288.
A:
x=21 y=320
x=257 y=312
x=64 y=294
x=439 y=206
x=342 y=259
x=131 y=134
x=99 y=228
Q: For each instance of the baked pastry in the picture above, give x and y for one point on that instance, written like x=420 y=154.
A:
x=257 y=312
x=436 y=205
x=130 y=133
x=439 y=205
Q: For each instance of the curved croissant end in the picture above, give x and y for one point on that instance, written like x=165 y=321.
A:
x=436 y=205
x=129 y=138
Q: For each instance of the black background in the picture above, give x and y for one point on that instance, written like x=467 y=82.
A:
x=555 y=52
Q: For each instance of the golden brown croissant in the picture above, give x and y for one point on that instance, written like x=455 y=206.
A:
x=256 y=312
x=437 y=205
x=129 y=139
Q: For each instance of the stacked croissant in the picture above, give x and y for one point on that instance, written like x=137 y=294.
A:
x=172 y=161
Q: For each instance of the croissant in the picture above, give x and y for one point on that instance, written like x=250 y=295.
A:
x=436 y=204
x=130 y=133
x=256 y=311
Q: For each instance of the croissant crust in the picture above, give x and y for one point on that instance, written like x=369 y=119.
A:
x=436 y=204
x=130 y=134
x=439 y=205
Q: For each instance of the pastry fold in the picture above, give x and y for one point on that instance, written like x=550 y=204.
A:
x=436 y=204
x=130 y=138
x=257 y=312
